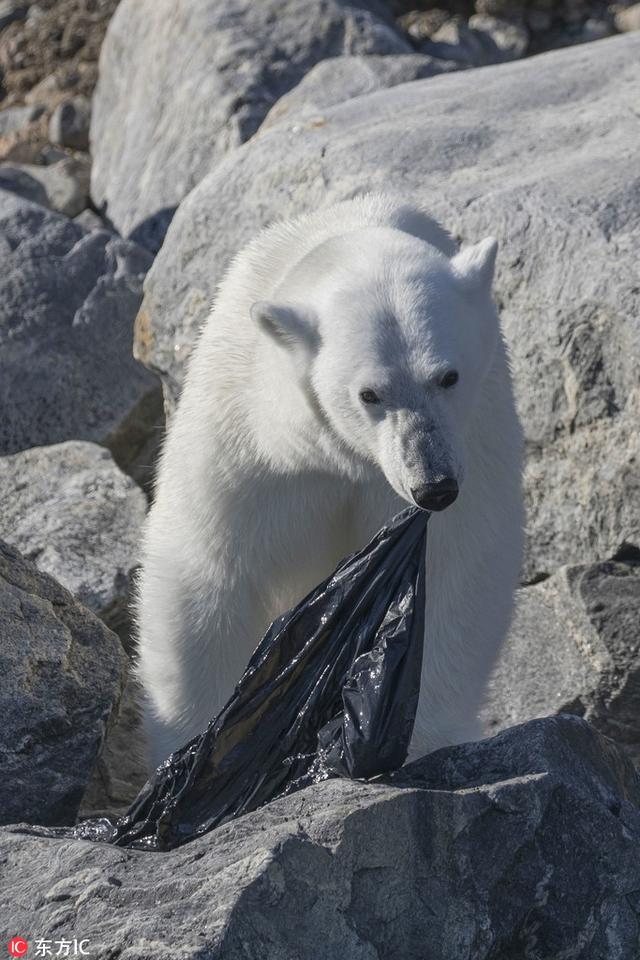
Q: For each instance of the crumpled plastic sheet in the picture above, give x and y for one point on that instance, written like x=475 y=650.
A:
x=331 y=690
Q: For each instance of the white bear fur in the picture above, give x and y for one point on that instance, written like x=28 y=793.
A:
x=273 y=469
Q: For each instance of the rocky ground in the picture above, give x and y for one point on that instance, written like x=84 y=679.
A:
x=487 y=851
x=48 y=56
x=49 y=67
x=120 y=205
x=489 y=31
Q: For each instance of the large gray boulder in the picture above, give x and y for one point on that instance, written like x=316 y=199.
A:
x=341 y=78
x=72 y=511
x=524 y=845
x=182 y=84
x=68 y=297
x=62 y=674
x=540 y=153
x=575 y=647
x=78 y=517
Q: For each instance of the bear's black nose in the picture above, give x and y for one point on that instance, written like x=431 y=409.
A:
x=436 y=496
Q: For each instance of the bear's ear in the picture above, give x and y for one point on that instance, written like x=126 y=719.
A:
x=475 y=265
x=284 y=324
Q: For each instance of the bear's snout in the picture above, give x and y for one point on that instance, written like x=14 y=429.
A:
x=437 y=495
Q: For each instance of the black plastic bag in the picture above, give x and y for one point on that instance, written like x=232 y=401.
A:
x=331 y=690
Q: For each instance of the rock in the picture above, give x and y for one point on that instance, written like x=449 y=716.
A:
x=422 y=24
x=67 y=302
x=50 y=155
x=582 y=488
x=575 y=647
x=627 y=18
x=10 y=11
x=70 y=510
x=121 y=770
x=595 y=29
x=481 y=851
x=538 y=21
x=333 y=81
x=15 y=119
x=69 y=124
x=90 y=220
x=36 y=12
x=47 y=89
x=62 y=676
x=454 y=40
x=510 y=37
x=572 y=13
x=180 y=85
x=481 y=41
x=23 y=129
x=63 y=186
x=568 y=221
x=507 y=9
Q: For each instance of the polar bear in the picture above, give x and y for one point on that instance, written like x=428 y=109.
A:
x=352 y=363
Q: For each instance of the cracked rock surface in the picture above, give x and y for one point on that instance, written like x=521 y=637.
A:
x=62 y=674
x=477 y=851
x=71 y=510
x=341 y=78
x=68 y=298
x=574 y=646
x=182 y=84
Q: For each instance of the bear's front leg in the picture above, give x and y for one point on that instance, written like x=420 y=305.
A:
x=200 y=620
x=473 y=562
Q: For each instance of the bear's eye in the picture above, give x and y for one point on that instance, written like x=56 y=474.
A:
x=369 y=396
x=450 y=378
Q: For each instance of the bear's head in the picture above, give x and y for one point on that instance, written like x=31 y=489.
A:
x=392 y=340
